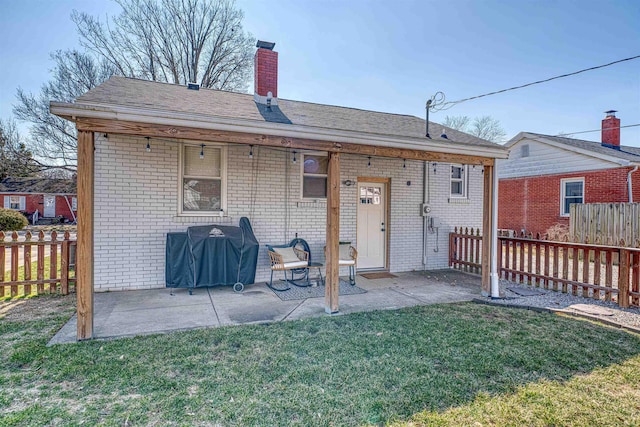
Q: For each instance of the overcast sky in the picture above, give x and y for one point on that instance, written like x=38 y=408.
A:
x=392 y=56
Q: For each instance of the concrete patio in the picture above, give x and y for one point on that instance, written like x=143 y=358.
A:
x=131 y=313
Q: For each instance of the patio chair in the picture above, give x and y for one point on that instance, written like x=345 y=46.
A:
x=347 y=257
x=286 y=258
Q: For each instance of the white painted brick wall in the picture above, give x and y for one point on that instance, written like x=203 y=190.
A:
x=136 y=201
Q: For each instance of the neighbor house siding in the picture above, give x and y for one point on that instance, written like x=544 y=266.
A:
x=532 y=204
x=544 y=159
x=136 y=196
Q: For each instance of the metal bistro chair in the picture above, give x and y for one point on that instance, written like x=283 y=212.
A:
x=347 y=257
x=286 y=258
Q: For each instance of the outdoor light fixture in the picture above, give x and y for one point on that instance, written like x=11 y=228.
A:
x=251 y=151
x=348 y=183
x=434 y=167
x=201 y=151
x=294 y=156
x=148 y=144
x=369 y=164
x=404 y=163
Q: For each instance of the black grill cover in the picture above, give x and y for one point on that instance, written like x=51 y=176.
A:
x=211 y=255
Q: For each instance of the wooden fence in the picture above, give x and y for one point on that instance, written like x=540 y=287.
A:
x=610 y=273
x=605 y=223
x=36 y=264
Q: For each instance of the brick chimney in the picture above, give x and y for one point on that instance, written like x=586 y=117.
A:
x=611 y=130
x=266 y=73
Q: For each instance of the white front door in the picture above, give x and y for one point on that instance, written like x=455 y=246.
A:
x=49 y=206
x=371 y=225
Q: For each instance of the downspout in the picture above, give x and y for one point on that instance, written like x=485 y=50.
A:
x=495 y=283
x=425 y=200
x=630 y=184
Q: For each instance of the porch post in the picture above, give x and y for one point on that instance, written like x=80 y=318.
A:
x=84 y=264
x=487 y=229
x=332 y=286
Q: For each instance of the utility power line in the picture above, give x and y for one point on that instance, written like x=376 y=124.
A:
x=440 y=106
x=598 y=130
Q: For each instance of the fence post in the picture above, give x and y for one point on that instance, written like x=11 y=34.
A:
x=14 y=263
x=2 y=257
x=64 y=265
x=623 y=280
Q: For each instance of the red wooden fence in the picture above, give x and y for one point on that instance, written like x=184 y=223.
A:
x=50 y=272
x=610 y=273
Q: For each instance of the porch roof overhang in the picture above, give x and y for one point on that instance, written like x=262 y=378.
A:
x=111 y=118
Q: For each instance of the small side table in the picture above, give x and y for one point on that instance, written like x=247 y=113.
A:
x=319 y=266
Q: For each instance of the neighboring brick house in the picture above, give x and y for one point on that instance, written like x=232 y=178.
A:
x=156 y=158
x=51 y=198
x=545 y=174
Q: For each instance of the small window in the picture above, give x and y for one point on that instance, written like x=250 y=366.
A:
x=524 y=150
x=202 y=180
x=74 y=203
x=370 y=195
x=314 y=176
x=17 y=203
x=572 y=191
x=458 y=181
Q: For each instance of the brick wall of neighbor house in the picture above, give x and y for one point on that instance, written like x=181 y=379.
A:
x=533 y=203
x=136 y=197
x=35 y=202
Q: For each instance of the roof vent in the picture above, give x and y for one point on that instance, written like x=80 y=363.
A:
x=193 y=86
x=444 y=135
x=611 y=113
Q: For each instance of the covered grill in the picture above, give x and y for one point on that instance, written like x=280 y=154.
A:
x=212 y=255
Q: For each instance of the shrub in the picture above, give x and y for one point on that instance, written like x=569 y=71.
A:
x=11 y=220
x=558 y=233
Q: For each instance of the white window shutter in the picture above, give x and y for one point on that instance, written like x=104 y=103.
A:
x=7 y=202
x=23 y=203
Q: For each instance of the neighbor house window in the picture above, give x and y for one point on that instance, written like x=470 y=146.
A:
x=314 y=176
x=571 y=191
x=203 y=179
x=524 y=150
x=74 y=203
x=17 y=203
x=458 y=181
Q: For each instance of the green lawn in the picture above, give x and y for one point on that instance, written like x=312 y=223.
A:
x=463 y=364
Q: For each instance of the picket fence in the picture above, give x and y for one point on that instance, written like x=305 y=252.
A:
x=609 y=273
x=44 y=263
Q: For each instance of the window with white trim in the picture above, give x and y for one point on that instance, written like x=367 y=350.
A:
x=571 y=191
x=74 y=203
x=17 y=203
x=314 y=176
x=202 y=180
x=458 y=181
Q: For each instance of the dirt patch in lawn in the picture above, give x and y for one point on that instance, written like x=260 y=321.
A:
x=37 y=308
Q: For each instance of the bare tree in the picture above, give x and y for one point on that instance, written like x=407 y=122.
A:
x=176 y=41
x=53 y=139
x=15 y=159
x=485 y=127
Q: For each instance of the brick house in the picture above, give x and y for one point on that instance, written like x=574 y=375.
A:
x=168 y=157
x=51 y=198
x=545 y=174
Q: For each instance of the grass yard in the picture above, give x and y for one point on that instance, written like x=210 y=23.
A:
x=462 y=364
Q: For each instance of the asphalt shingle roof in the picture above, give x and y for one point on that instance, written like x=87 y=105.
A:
x=130 y=92
x=38 y=185
x=631 y=154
